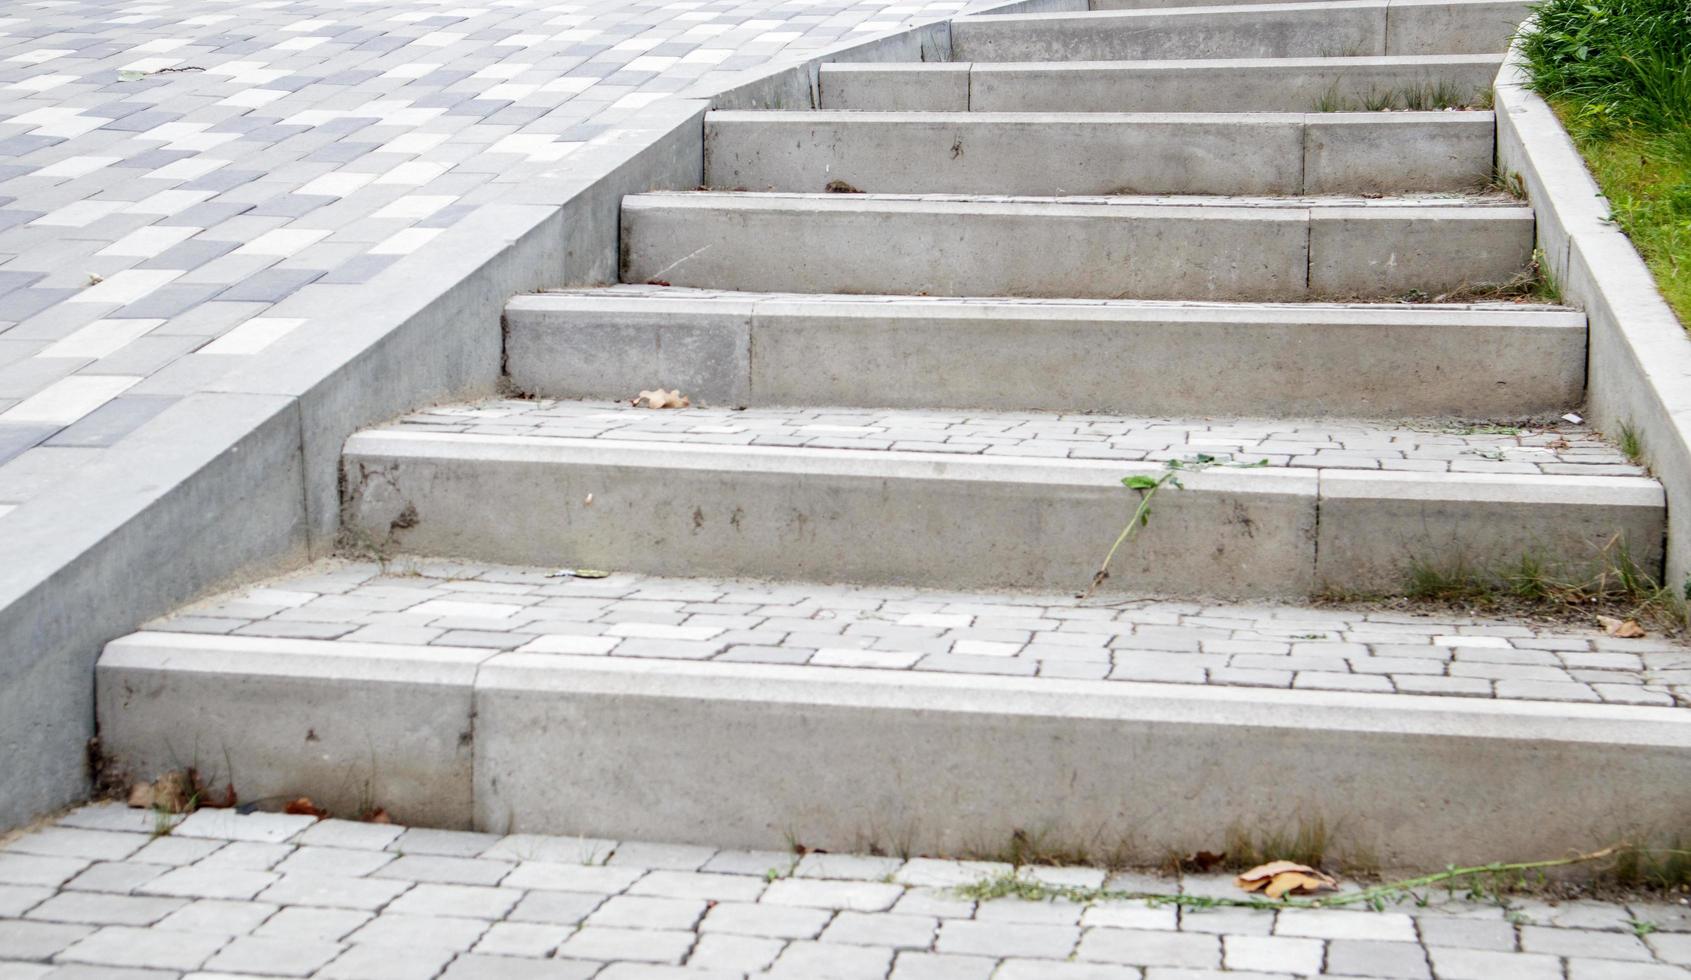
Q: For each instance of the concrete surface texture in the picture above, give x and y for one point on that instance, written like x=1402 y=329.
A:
x=97 y=895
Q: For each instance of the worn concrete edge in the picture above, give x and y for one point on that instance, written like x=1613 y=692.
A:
x=1639 y=357
x=80 y=569
x=166 y=673
x=543 y=674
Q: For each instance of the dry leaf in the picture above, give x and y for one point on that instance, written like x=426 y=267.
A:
x=1202 y=861
x=305 y=808
x=1279 y=878
x=141 y=795
x=662 y=399
x=1625 y=628
x=378 y=815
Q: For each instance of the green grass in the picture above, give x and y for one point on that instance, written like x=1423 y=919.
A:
x=1618 y=73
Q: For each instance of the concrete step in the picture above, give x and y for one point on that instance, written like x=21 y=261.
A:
x=1108 y=248
x=1059 y=154
x=1119 y=728
x=971 y=502
x=1349 y=28
x=1292 y=360
x=1213 y=85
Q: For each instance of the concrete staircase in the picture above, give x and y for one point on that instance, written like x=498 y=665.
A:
x=1180 y=217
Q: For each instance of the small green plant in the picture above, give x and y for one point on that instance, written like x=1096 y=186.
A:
x=1147 y=488
x=1630 y=444
x=1641 y=928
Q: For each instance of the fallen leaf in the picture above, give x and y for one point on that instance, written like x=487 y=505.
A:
x=141 y=795
x=1202 y=861
x=1279 y=878
x=303 y=807
x=1624 y=628
x=660 y=398
x=378 y=815
x=840 y=187
x=657 y=282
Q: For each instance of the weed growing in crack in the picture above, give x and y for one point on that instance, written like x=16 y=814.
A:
x=1147 y=487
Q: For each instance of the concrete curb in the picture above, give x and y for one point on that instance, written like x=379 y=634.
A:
x=1639 y=367
x=758 y=756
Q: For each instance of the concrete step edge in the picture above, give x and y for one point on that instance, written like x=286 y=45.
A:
x=746 y=755
x=682 y=300
x=892 y=464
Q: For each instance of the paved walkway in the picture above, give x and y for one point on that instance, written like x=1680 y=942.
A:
x=276 y=895
x=169 y=173
x=458 y=604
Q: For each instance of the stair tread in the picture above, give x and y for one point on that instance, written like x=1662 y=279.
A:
x=1163 y=64
x=1444 y=202
x=861 y=117
x=1559 y=452
x=437 y=612
x=1502 y=311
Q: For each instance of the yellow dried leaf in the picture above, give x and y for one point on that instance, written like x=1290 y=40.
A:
x=659 y=398
x=1277 y=878
x=1297 y=883
x=1624 y=628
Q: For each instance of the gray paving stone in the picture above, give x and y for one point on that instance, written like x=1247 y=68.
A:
x=132 y=947
x=1367 y=958
x=37 y=940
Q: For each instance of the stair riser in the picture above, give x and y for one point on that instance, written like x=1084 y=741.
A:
x=832 y=516
x=1120 y=252
x=1078 y=154
x=1169 y=86
x=1183 y=363
x=351 y=725
x=1356 y=28
x=967 y=522
x=757 y=757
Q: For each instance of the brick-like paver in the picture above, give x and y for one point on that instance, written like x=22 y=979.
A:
x=177 y=180
x=1563 y=448
x=770 y=920
x=426 y=602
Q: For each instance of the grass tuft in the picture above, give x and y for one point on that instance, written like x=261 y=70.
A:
x=1618 y=73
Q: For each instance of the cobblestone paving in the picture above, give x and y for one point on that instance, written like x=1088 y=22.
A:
x=504 y=608
x=1562 y=449
x=278 y=895
x=169 y=173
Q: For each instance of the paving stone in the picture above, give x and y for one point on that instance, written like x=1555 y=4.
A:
x=776 y=922
x=91 y=908
x=1005 y=939
x=882 y=929
x=1144 y=948
x=324 y=925
x=855 y=895
x=804 y=959
x=476 y=966
x=734 y=954
x=198 y=882
x=133 y=947
x=1337 y=924
x=291 y=957
x=37 y=940
x=1368 y=958
x=1450 y=963
x=333 y=891
x=381 y=962
x=637 y=945
x=1583 y=942
x=221 y=917
x=445 y=870
x=1273 y=954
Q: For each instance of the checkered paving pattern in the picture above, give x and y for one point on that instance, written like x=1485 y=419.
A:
x=98 y=894
x=170 y=172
